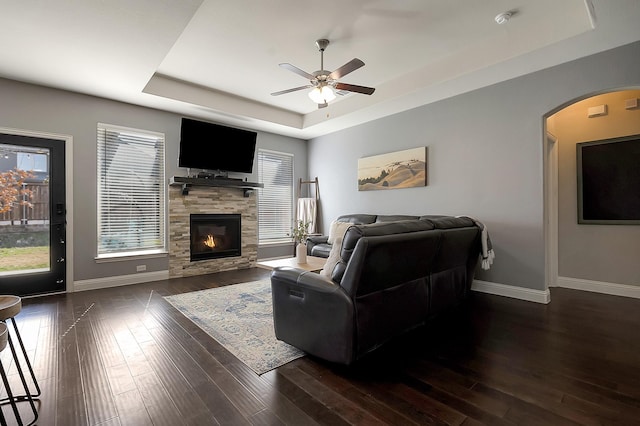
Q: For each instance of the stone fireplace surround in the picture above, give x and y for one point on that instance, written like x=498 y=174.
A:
x=210 y=200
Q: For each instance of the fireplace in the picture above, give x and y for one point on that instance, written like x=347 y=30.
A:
x=215 y=235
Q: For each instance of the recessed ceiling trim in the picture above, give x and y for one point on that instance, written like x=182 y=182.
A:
x=167 y=87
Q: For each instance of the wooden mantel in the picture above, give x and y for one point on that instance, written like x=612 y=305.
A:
x=186 y=182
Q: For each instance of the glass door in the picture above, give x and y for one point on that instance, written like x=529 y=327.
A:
x=32 y=215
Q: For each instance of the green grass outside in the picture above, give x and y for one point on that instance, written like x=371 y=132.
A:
x=21 y=258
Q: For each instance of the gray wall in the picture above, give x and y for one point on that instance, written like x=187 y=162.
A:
x=485 y=158
x=36 y=108
x=485 y=153
x=605 y=253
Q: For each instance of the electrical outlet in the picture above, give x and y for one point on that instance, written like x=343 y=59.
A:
x=141 y=268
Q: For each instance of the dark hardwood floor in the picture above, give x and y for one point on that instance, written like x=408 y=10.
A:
x=123 y=356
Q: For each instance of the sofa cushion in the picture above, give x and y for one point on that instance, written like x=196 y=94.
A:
x=448 y=222
x=355 y=232
x=394 y=217
x=357 y=219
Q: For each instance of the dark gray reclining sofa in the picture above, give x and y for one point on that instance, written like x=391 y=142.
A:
x=391 y=277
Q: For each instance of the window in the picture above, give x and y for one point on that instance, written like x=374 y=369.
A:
x=32 y=162
x=131 y=192
x=275 y=200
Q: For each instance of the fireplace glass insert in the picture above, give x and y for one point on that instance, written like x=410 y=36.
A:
x=215 y=235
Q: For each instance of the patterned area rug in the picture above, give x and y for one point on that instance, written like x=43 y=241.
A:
x=240 y=318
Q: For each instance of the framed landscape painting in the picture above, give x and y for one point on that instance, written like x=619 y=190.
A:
x=400 y=169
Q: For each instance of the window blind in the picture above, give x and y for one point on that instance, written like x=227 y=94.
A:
x=275 y=200
x=131 y=191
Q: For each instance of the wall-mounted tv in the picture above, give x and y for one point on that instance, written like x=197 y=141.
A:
x=609 y=181
x=215 y=147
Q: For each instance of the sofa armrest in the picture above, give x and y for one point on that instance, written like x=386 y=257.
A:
x=313 y=314
x=313 y=240
x=317 y=239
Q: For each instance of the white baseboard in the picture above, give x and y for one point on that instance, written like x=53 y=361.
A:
x=599 y=287
x=96 y=283
x=531 y=295
x=528 y=294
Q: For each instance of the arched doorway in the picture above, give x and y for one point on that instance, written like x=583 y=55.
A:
x=586 y=257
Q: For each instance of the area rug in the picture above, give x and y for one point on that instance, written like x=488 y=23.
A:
x=240 y=318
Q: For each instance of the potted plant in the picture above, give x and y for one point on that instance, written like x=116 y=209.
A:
x=299 y=235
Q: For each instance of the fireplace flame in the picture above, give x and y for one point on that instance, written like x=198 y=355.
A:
x=210 y=242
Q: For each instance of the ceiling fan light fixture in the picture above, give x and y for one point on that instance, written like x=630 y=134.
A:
x=322 y=95
x=325 y=83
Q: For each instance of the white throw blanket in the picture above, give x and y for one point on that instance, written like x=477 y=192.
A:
x=307 y=213
x=487 y=248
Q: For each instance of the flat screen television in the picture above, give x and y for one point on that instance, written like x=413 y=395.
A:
x=609 y=181
x=215 y=147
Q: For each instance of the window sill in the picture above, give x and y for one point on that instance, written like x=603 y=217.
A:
x=123 y=257
x=273 y=243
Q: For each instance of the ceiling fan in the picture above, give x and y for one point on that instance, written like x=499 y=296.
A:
x=324 y=82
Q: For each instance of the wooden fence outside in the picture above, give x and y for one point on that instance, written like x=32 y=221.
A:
x=38 y=213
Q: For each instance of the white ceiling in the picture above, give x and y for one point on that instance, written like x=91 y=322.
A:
x=218 y=60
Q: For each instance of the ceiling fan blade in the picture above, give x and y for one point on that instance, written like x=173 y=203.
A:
x=298 y=71
x=350 y=66
x=295 y=89
x=353 y=88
